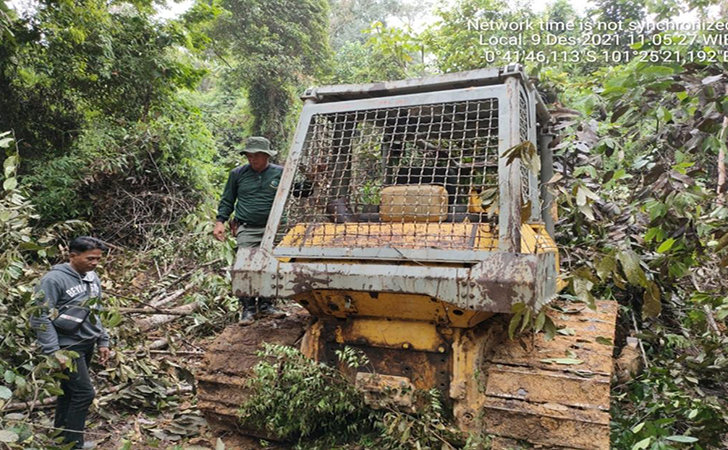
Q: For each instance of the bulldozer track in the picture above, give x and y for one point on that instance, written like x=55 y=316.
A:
x=229 y=363
x=554 y=394
x=529 y=398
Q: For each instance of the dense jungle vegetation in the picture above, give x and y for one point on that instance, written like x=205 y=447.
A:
x=117 y=123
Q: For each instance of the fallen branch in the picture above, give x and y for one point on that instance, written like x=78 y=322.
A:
x=166 y=352
x=135 y=300
x=642 y=347
x=50 y=401
x=106 y=394
x=156 y=320
x=158 y=344
x=711 y=320
x=721 y=185
x=19 y=406
x=152 y=311
x=172 y=297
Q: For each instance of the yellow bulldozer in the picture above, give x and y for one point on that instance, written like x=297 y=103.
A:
x=428 y=219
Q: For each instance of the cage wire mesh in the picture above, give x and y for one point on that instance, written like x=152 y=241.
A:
x=422 y=176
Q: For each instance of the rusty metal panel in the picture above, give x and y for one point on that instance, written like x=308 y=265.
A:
x=459 y=80
x=383 y=254
x=449 y=81
x=509 y=175
x=492 y=285
x=408 y=307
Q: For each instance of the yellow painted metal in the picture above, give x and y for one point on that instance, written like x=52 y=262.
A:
x=468 y=378
x=462 y=236
x=343 y=304
x=396 y=334
x=311 y=339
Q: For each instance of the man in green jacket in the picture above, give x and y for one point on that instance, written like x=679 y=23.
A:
x=249 y=193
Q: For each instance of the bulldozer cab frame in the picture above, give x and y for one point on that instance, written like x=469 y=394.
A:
x=354 y=143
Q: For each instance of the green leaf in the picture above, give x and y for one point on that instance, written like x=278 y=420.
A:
x=8 y=436
x=9 y=165
x=582 y=283
x=606 y=266
x=663 y=114
x=549 y=329
x=587 y=211
x=604 y=341
x=651 y=234
x=525 y=320
x=10 y=184
x=632 y=269
x=657 y=71
x=515 y=320
x=665 y=246
x=638 y=427
x=563 y=361
x=5 y=393
x=682 y=439
x=652 y=306
x=540 y=321
x=641 y=445
x=30 y=246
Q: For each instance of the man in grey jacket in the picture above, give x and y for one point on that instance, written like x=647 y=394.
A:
x=73 y=284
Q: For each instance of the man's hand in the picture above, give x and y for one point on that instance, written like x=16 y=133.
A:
x=103 y=354
x=219 y=231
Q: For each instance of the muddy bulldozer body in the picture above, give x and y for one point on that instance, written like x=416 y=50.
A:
x=426 y=220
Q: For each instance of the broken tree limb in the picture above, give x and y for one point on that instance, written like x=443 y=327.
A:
x=51 y=401
x=135 y=300
x=158 y=344
x=160 y=319
x=721 y=185
x=642 y=347
x=19 y=406
x=711 y=320
x=172 y=312
x=167 y=352
x=106 y=394
x=172 y=297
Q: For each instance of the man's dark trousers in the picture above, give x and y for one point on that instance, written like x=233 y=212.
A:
x=78 y=394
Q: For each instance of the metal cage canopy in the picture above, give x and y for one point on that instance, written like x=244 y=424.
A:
x=402 y=171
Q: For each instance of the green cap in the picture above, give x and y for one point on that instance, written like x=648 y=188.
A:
x=257 y=144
